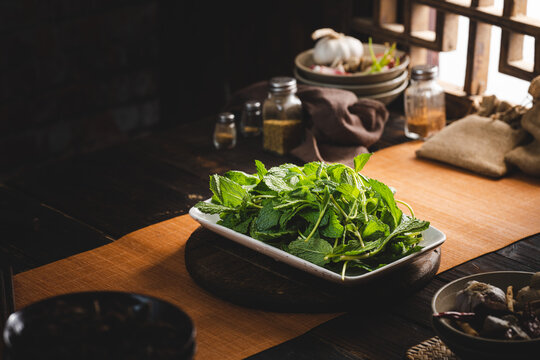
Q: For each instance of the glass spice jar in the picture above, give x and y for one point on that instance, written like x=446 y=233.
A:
x=425 y=111
x=225 y=131
x=283 y=128
x=251 y=119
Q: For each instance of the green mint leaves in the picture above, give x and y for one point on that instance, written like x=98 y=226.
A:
x=327 y=214
x=314 y=250
x=360 y=161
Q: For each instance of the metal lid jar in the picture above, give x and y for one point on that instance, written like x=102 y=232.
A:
x=282 y=113
x=225 y=131
x=251 y=118
x=424 y=103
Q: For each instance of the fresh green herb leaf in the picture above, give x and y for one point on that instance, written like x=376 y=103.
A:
x=348 y=190
x=360 y=161
x=261 y=169
x=374 y=229
x=231 y=193
x=276 y=183
x=241 y=177
x=388 y=197
x=270 y=235
x=211 y=208
x=334 y=229
x=314 y=250
x=216 y=190
x=268 y=217
x=326 y=214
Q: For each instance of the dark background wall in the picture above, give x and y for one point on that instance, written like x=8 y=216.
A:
x=79 y=75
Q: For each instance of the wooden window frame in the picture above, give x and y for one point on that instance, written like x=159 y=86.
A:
x=419 y=35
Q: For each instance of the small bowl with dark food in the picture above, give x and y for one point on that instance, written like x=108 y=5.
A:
x=99 y=325
x=493 y=315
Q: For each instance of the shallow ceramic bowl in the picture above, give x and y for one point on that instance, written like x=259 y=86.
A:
x=474 y=347
x=385 y=97
x=388 y=96
x=363 y=89
x=304 y=61
x=99 y=324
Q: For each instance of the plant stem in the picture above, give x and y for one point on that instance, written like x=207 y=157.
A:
x=375 y=66
x=290 y=203
x=343 y=270
x=323 y=210
x=354 y=208
x=408 y=207
x=357 y=233
x=363 y=194
x=339 y=208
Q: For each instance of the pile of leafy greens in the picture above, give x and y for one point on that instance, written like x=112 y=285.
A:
x=328 y=214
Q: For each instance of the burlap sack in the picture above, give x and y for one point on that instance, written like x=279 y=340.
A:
x=527 y=157
x=475 y=143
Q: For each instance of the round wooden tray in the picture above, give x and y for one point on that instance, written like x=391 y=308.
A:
x=244 y=277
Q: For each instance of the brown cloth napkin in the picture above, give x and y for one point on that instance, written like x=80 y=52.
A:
x=339 y=126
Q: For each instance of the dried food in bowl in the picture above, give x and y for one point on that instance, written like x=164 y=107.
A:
x=304 y=63
x=100 y=325
x=462 y=307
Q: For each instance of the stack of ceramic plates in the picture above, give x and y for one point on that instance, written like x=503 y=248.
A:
x=385 y=86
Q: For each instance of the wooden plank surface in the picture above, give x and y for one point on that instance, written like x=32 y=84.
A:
x=172 y=176
x=389 y=332
x=34 y=234
x=131 y=185
x=152 y=261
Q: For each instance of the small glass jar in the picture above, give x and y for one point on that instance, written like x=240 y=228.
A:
x=283 y=129
x=225 y=131
x=425 y=110
x=251 y=119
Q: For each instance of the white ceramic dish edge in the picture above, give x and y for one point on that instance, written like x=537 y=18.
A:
x=433 y=238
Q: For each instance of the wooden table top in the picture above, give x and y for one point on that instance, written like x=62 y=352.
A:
x=77 y=204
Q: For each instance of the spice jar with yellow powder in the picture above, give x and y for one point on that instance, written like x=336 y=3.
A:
x=225 y=131
x=283 y=127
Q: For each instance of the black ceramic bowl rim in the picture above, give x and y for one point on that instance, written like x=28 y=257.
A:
x=454 y=330
x=189 y=345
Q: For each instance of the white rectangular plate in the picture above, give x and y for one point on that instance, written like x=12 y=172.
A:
x=433 y=238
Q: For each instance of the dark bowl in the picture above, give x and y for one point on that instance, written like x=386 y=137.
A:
x=474 y=347
x=99 y=325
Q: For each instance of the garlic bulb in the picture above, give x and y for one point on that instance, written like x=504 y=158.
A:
x=334 y=49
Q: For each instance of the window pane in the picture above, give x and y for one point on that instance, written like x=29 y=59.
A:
x=533 y=9
x=452 y=64
x=503 y=86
